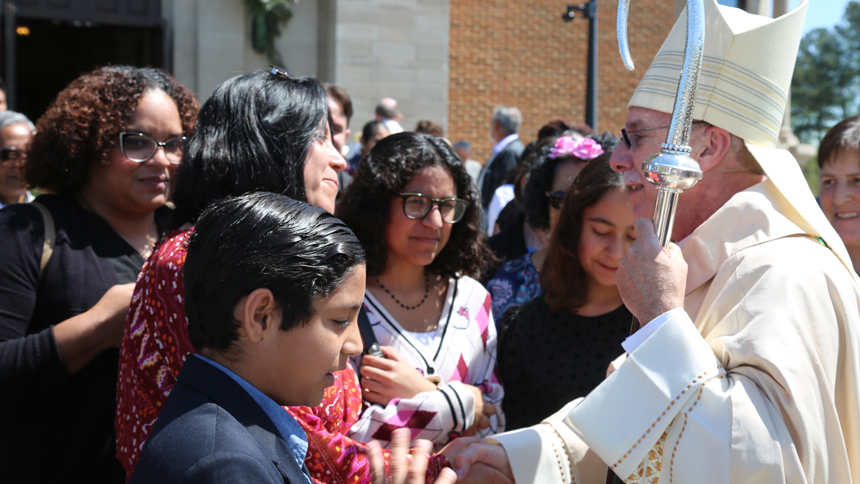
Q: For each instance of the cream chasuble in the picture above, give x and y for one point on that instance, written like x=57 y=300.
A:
x=760 y=384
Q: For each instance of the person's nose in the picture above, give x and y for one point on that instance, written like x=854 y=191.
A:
x=434 y=218
x=621 y=160
x=338 y=162
x=617 y=248
x=353 y=345
x=159 y=158
x=842 y=194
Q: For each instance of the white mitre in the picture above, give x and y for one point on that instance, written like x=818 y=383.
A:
x=744 y=86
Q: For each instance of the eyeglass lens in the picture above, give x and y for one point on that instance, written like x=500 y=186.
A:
x=140 y=148
x=7 y=153
x=418 y=206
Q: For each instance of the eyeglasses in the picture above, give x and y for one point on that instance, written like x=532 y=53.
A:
x=556 y=198
x=140 y=148
x=416 y=206
x=625 y=135
x=9 y=153
x=279 y=72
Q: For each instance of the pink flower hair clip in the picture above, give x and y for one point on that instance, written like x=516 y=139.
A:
x=582 y=148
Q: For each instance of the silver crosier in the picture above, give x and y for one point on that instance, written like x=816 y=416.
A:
x=672 y=170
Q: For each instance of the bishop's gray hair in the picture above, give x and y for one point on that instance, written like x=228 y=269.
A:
x=8 y=118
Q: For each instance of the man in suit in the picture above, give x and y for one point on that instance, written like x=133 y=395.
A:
x=273 y=287
x=504 y=127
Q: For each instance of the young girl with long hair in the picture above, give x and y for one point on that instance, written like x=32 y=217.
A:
x=557 y=347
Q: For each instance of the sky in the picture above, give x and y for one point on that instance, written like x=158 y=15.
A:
x=822 y=13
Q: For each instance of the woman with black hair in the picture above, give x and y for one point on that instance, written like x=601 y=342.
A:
x=558 y=346
x=264 y=131
x=550 y=176
x=415 y=210
x=104 y=155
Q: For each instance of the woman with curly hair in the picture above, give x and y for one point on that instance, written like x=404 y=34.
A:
x=416 y=212
x=552 y=172
x=580 y=316
x=106 y=151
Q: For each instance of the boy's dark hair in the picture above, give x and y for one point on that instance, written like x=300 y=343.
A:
x=542 y=173
x=262 y=240
x=253 y=133
x=391 y=164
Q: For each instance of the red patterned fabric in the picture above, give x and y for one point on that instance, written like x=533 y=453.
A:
x=155 y=346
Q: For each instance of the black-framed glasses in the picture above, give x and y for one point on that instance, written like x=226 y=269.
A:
x=9 y=153
x=279 y=72
x=556 y=198
x=140 y=148
x=625 y=135
x=416 y=206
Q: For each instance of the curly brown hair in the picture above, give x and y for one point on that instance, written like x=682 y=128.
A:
x=82 y=125
x=390 y=165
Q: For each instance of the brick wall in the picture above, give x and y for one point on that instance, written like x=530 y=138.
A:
x=520 y=52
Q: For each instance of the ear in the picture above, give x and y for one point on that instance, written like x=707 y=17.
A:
x=258 y=314
x=713 y=146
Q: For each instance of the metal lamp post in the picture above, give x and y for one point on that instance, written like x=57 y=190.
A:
x=589 y=11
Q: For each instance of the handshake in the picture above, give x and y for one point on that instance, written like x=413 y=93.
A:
x=474 y=460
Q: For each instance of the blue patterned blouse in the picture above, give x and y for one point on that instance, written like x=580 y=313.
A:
x=515 y=283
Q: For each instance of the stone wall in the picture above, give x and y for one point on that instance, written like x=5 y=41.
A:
x=522 y=53
x=212 y=42
x=390 y=48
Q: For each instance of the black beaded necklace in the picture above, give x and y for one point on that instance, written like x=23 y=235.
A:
x=408 y=308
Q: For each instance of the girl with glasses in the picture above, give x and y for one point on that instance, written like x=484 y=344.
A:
x=416 y=212
x=552 y=172
x=70 y=260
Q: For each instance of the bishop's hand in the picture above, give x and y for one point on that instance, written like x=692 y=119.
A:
x=650 y=278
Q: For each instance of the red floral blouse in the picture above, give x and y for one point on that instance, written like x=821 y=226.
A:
x=154 y=348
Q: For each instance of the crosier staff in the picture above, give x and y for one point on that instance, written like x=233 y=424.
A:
x=672 y=170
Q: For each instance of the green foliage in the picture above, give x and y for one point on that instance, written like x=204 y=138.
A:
x=811 y=172
x=825 y=88
x=267 y=18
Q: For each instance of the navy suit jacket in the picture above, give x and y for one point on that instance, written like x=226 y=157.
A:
x=212 y=431
x=503 y=162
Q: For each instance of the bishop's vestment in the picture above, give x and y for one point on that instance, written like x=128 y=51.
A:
x=757 y=379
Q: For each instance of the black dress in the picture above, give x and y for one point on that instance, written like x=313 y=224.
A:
x=56 y=427
x=548 y=358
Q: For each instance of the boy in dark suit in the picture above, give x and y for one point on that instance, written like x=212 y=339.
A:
x=273 y=290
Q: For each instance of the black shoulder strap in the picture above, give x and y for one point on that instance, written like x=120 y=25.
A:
x=371 y=346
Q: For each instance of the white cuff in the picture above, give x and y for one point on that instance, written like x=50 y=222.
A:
x=636 y=339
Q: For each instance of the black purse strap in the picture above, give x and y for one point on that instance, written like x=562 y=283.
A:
x=371 y=346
